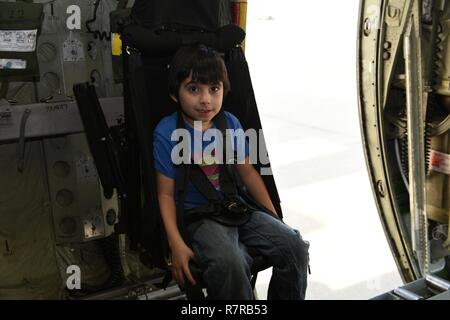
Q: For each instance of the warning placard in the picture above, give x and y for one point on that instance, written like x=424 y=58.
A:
x=15 y=64
x=440 y=162
x=18 y=40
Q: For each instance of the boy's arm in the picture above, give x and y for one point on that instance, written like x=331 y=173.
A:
x=255 y=185
x=181 y=253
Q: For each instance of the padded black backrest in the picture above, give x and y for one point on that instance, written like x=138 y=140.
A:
x=148 y=102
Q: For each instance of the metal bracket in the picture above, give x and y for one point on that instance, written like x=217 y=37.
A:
x=5 y=111
x=23 y=122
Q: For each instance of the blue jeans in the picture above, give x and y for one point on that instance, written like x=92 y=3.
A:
x=221 y=252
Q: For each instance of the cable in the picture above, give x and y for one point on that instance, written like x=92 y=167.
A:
x=401 y=164
x=103 y=35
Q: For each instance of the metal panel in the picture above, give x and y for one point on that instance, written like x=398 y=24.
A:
x=80 y=211
x=50 y=119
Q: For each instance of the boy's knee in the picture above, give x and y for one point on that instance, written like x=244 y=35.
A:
x=299 y=247
x=228 y=263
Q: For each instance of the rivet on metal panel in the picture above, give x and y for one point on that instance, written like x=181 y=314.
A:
x=393 y=12
x=380 y=188
x=393 y=16
x=367 y=27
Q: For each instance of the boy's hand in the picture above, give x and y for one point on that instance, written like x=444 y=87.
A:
x=181 y=255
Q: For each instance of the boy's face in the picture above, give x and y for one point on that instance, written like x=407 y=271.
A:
x=199 y=101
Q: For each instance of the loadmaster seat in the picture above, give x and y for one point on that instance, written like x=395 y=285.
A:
x=148 y=53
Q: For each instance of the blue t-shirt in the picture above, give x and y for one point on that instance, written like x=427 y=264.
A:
x=202 y=150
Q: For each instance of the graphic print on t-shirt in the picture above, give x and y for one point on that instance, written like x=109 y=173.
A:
x=210 y=168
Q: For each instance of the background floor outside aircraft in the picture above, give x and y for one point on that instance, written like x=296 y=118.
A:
x=302 y=57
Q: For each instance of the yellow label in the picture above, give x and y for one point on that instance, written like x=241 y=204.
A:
x=116 y=44
x=243 y=15
x=243 y=18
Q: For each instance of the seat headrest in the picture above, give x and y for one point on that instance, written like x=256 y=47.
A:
x=201 y=14
x=160 y=41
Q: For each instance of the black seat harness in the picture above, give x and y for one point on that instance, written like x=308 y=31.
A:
x=225 y=207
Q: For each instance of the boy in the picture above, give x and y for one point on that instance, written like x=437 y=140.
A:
x=198 y=82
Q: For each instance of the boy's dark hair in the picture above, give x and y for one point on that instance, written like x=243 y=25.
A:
x=206 y=64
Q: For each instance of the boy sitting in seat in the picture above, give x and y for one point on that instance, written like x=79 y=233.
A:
x=198 y=83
